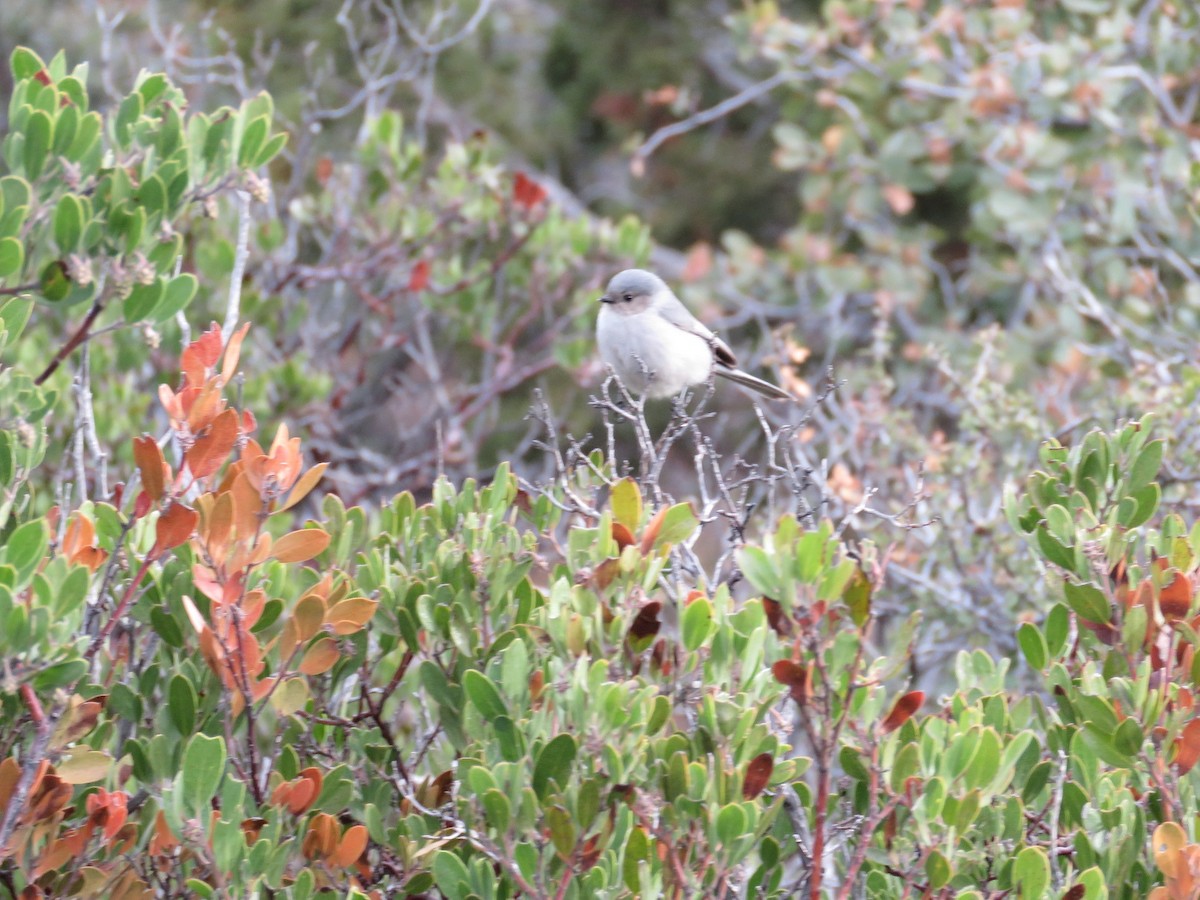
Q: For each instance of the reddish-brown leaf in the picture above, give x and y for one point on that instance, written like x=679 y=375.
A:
x=780 y=624
x=796 y=677
x=151 y=465
x=622 y=535
x=173 y=528
x=646 y=624
x=1188 y=747
x=527 y=193
x=214 y=445
x=1175 y=598
x=902 y=711
x=418 y=279
x=758 y=773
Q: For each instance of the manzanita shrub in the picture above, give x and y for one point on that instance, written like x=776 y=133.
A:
x=215 y=684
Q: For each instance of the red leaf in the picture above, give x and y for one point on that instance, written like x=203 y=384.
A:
x=43 y=76
x=527 y=193
x=213 y=446
x=173 y=528
x=419 y=279
x=758 y=773
x=151 y=464
x=645 y=623
x=796 y=677
x=653 y=527
x=1175 y=598
x=622 y=535
x=141 y=505
x=902 y=711
x=780 y=624
x=1188 y=747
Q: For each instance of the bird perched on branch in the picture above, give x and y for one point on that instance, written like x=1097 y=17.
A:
x=656 y=347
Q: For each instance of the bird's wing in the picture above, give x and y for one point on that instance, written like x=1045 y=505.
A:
x=677 y=314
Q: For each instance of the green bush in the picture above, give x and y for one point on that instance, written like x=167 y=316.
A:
x=217 y=682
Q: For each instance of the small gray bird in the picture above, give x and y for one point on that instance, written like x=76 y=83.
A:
x=658 y=348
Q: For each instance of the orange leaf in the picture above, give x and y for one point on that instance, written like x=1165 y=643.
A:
x=322 y=836
x=205 y=406
x=758 y=773
x=527 y=193
x=232 y=351
x=418 y=280
x=307 y=482
x=219 y=527
x=622 y=535
x=150 y=463
x=320 y=657
x=212 y=448
x=247 y=506
x=1169 y=840
x=302 y=794
x=173 y=528
x=298 y=546
x=902 y=711
x=653 y=527
x=1188 y=747
x=10 y=773
x=1175 y=598
x=353 y=843
x=355 y=610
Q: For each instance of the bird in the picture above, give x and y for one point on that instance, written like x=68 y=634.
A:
x=656 y=347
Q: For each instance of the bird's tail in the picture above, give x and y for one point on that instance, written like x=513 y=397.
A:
x=755 y=384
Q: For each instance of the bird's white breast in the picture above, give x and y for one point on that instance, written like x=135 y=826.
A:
x=650 y=355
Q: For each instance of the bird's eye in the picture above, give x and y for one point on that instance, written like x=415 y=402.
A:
x=629 y=298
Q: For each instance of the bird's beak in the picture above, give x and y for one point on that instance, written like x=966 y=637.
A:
x=605 y=299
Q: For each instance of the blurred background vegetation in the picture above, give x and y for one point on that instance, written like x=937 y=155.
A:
x=954 y=229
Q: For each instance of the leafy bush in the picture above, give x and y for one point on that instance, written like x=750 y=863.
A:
x=513 y=688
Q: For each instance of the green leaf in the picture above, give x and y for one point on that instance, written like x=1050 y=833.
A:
x=562 y=830
x=65 y=127
x=1088 y=602
x=497 y=808
x=695 y=624
x=450 y=875
x=253 y=138
x=627 y=503
x=178 y=294
x=25 y=548
x=759 y=569
x=153 y=195
x=1031 y=872
x=937 y=870
x=554 y=763
x=130 y=111
x=68 y=223
x=54 y=285
x=144 y=299
x=1145 y=467
x=1058 y=629
x=483 y=693
x=637 y=851
x=202 y=769
x=181 y=704
x=1033 y=645
x=271 y=149
x=12 y=257
x=731 y=824
x=857 y=597
x=678 y=525
x=25 y=63
x=39 y=135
